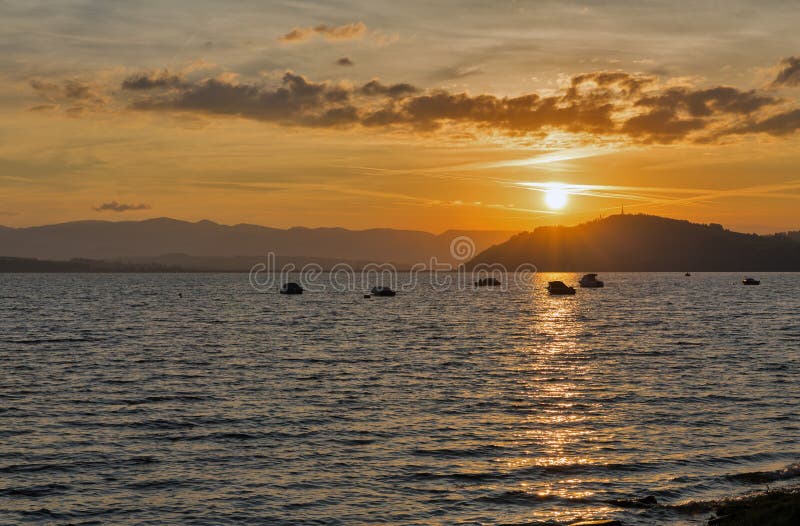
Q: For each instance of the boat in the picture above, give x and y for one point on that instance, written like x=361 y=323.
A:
x=488 y=282
x=559 y=288
x=291 y=288
x=750 y=281
x=382 y=291
x=590 y=281
x=688 y=274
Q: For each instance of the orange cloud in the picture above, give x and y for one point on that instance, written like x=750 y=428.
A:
x=353 y=31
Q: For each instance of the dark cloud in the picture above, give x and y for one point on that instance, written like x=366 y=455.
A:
x=600 y=103
x=780 y=124
x=296 y=101
x=661 y=126
x=706 y=102
x=374 y=87
x=145 y=81
x=523 y=114
x=351 y=31
x=115 y=206
x=345 y=61
x=675 y=113
x=789 y=74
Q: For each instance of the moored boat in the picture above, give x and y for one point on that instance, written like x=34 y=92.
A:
x=559 y=288
x=488 y=282
x=590 y=281
x=382 y=291
x=291 y=288
x=750 y=281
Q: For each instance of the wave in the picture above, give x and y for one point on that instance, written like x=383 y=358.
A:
x=165 y=398
x=480 y=476
x=71 y=466
x=37 y=341
x=524 y=498
x=762 y=477
x=457 y=452
x=34 y=491
x=158 y=484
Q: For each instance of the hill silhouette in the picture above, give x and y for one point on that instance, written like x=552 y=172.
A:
x=107 y=240
x=644 y=243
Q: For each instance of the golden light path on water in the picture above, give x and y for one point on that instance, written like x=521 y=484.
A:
x=556 y=430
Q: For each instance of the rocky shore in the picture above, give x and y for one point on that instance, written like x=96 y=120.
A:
x=771 y=508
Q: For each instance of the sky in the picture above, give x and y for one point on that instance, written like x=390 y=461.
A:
x=414 y=115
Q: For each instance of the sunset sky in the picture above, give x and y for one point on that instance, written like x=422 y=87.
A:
x=399 y=114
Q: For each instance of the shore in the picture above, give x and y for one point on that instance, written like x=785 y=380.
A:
x=771 y=508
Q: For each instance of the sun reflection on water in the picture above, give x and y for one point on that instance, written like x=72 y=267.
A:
x=554 y=432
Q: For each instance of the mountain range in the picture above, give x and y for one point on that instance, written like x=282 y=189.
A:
x=621 y=242
x=206 y=244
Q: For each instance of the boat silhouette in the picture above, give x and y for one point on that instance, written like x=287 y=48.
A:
x=382 y=291
x=590 y=281
x=291 y=288
x=559 y=288
x=488 y=282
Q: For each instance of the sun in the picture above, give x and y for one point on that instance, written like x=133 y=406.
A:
x=555 y=197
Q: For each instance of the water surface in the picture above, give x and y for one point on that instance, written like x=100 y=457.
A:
x=122 y=402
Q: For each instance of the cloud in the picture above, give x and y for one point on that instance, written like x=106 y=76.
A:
x=789 y=73
x=706 y=102
x=115 y=206
x=600 y=103
x=345 y=61
x=375 y=87
x=152 y=80
x=675 y=113
x=780 y=124
x=592 y=107
x=457 y=72
x=353 y=31
x=43 y=107
x=75 y=95
x=67 y=89
x=296 y=101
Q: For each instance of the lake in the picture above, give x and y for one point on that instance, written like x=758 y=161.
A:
x=193 y=399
